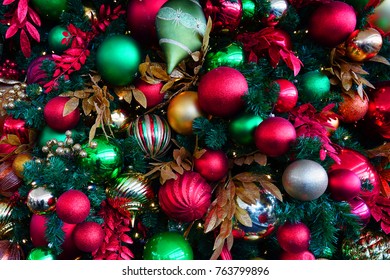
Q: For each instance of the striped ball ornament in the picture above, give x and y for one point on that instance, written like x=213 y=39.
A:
x=152 y=133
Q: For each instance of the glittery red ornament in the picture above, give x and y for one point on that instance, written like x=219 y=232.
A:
x=293 y=238
x=343 y=184
x=378 y=113
x=332 y=23
x=152 y=92
x=220 y=92
x=53 y=113
x=360 y=209
x=186 y=198
x=212 y=165
x=287 y=96
x=141 y=18
x=225 y=14
x=88 y=236
x=73 y=206
x=9 y=181
x=302 y=256
x=274 y=136
x=35 y=74
x=363 y=168
x=353 y=108
x=38 y=236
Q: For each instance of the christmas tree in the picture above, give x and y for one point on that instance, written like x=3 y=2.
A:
x=183 y=129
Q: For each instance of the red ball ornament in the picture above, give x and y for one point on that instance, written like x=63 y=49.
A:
x=35 y=74
x=220 y=92
x=332 y=23
x=152 y=92
x=212 y=165
x=287 y=96
x=88 y=236
x=360 y=209
x=141 y=17
x=301 y=256
x=293 y=238
x=73 y=206
x=362 y=167
x=186 y=198
x=343 y=184
x=274 y=136
x=38 y=236
x=53 y=113
x=378 y=113
x=225 y=14
x=353 y=108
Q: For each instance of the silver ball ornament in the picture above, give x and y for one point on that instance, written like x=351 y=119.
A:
x=305 y=180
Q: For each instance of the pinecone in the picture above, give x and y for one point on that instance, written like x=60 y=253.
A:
x=371 y=245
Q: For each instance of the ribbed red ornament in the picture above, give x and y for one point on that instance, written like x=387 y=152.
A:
x=53 y=113
x=221 y=91
x=35 y=74
x=186 y=198
x=88 y=236
x=9 y=181
x=73 y=206
x=212 y=165
x=152 y=92
x=293 y=238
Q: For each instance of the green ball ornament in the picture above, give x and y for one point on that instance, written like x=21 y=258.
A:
x=242 y=128
x=248 y=9
x=57 y=35
x=41 y=254
x=50 y=9
x=232 y=55
x=48 y=133
x=104 y=159
x=117 y=59
x=315 y=85
x=168 y=246
x=180 y=27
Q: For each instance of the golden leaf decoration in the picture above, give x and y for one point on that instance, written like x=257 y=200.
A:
x=71 y=105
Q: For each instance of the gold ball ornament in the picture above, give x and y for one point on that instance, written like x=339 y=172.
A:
x=182 y=110
x=18 y=163
x=6 y=225
x=364 y=44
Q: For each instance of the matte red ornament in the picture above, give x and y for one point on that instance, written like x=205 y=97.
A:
x=343 y=184
x=38 y=236
x=362 y=167
x=225 y=14
x=287 y=96
x=274 y=136
x=301 y=256
x=17 y=127
x=332 y=23
x=88 y=236
x=212 y=165
x=360 y=209
x=293 y=238
x=378 y=113
x=221 y=91
x=73 y=206
x=152 y=92
x=141 y=18
x=186 y=198
x=35 y=74
x=53 y=113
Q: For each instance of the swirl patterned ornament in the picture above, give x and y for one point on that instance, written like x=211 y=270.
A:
x=180 y=28
x=152 y=133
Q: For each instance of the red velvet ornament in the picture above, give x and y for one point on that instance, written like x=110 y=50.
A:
x=332 y=23
x=343 y=184
x=38 y=236
x=302 y=256
x=287 y=97
x=17 y=127
x=274 y=136
x=73 y=206
x=220 y=92
x=293 y=238
x=212 y=165
x=88 y=236
x=378 y=113
x=363 y=168
x=225 y=15
x=9 y=181
x=36 y=75
x=352 y=108
x=360 y=209
x=141 y=17
x=186 y=198
x=53 y=113
x=152 y=92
